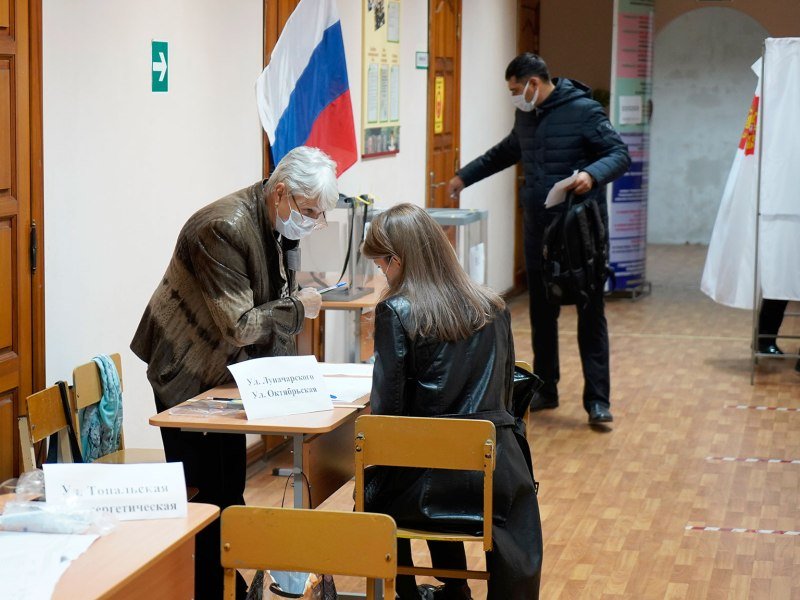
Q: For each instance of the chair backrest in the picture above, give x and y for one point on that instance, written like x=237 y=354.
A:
x=87 y=388
x=443 y=443
x=293 y=539
x=45 y=417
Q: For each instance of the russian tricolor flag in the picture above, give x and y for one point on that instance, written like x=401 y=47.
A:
x=303 y=93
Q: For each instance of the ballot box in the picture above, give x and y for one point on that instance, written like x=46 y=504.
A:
x=466 y=228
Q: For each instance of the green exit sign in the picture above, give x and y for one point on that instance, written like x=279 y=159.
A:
x=160 y=59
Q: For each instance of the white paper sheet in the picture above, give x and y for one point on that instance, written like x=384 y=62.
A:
x=352 y=369
x=558 y=192
x=281 y=385
x=345 y=391
x=32 y=563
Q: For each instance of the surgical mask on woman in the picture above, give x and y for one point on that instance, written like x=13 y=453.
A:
x=522 y=104
x=297 y=226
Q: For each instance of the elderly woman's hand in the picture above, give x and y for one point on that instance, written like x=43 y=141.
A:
x=311 y=301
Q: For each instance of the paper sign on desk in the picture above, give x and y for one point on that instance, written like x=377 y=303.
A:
x=129 y=492
x=281 y=385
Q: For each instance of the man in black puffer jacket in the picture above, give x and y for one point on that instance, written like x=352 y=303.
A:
x=558 y=129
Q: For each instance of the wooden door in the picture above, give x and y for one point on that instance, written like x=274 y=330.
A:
x=527 y=41
x=444 y=100
x=16 y=279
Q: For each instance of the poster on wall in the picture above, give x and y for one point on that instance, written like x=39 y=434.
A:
x=380 y=102
x=631 y=106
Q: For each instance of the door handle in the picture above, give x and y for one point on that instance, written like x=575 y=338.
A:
x=436 y=185
x=34 y=246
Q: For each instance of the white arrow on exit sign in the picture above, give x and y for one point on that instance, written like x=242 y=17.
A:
x=160 y=66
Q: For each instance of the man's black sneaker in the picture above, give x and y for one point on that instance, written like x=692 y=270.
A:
x=599 y=414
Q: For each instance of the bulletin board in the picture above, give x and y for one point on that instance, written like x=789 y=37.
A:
x=380 y=83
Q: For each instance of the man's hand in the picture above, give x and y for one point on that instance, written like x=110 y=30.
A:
x=582 y=184
x=454 y=187
x=311 y=301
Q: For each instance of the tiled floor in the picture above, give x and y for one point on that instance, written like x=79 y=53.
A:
x=616 y=505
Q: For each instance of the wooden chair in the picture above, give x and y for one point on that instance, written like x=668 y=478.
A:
x=458 y=444
x=88 y=390
x=44 y=417
x=319 y=541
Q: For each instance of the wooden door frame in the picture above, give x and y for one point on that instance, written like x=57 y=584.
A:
x=37 y=193
x=431 y=100
x=28 y=295
x=519 y=275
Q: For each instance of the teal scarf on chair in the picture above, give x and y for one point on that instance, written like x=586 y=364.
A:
x=101 y=423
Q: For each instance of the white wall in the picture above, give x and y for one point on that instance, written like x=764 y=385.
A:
x=487 y=115
x=124 y=167
x=702 y=90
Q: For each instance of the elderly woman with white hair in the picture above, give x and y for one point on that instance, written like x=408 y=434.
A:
x=229 y=294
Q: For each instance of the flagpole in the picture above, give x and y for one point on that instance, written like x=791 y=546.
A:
x=756 y=287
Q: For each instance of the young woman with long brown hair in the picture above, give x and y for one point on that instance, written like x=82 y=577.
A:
x=443 y=347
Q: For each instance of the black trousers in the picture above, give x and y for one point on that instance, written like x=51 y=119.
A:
x=444 y=555
x=770 y=317
x=592 y=343
x=215 y=464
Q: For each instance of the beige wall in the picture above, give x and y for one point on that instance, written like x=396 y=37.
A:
x=576 y=39
x=576 y=34
x=781 y=18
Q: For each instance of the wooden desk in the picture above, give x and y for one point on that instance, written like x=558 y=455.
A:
x=149 y=560
x=322 y=442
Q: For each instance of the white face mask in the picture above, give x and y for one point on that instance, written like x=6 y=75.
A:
x=296 y=227
x=522 y=104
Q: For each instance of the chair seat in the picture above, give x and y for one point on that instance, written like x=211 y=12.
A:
x=419 y=534
x=133 y=456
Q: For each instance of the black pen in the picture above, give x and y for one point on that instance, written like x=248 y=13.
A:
x=338 y=286
x=224 y=399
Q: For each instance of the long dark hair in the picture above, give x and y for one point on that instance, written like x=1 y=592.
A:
x=445 y=303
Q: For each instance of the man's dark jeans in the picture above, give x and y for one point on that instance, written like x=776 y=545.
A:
x=592 y=343
x=592 y=326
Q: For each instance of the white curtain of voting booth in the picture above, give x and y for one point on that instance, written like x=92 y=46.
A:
x=779 y=196
x=761 y=201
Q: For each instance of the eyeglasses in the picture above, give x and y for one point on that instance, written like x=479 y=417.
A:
x=320 y=222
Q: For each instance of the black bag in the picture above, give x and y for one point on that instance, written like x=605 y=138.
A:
x=575 y=253
x=52 y=441
x=526 y=387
